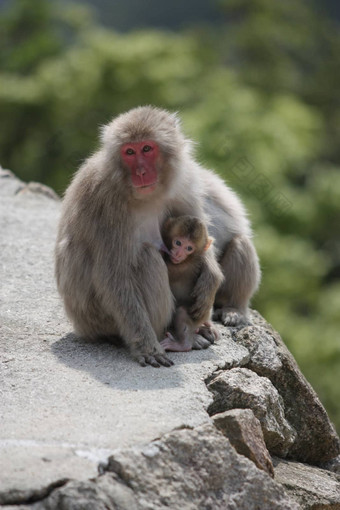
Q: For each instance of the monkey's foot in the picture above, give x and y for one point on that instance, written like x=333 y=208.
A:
x=170 y=344
x=155 y=360
x=209 y=331
x=231 y=317
x=200 y=343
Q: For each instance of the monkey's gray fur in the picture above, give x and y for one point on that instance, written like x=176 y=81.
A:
x=109 y=271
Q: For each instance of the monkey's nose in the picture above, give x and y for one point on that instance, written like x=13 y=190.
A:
x=140 y=171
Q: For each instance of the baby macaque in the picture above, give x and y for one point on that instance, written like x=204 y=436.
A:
x=186 y=239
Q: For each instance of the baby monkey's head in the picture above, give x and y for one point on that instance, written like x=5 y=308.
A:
x=185 y=236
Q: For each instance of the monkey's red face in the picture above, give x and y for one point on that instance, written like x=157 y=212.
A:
x=141 y=159
x=182 y=247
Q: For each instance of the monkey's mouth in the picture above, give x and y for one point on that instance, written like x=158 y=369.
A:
x=146 y=189
x=175 y=260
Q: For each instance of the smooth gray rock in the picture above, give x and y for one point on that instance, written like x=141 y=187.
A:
x=244 y=432
x=313 y=488
x=316 y=440
x=242 y=388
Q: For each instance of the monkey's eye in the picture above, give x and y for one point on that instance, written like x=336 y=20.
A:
x=147 y=148
x=178 y=242
x=189 y=248
x=129 y=152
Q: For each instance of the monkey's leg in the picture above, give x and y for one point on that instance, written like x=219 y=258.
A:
x=182 y=328
x=240 y=266
x=139 y=302
x=157 y=301
x=184 y=331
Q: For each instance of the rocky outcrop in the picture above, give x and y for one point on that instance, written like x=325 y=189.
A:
x=191 y=469
x=242 y=388
x=316 y=441
x=294 y=422
x=84 y=427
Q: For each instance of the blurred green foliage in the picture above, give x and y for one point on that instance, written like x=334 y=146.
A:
x=260 y=95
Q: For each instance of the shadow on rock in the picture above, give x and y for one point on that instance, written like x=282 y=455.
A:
x=111 y=364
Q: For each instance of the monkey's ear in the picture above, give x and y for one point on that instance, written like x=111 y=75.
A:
x=168 y=224
x=207 y=246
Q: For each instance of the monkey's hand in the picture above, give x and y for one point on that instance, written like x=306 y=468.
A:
x=199 y=342
x=155 y=359
x=209 y=331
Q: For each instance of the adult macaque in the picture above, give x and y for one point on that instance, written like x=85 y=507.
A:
x=186 y=239
x=109 y=271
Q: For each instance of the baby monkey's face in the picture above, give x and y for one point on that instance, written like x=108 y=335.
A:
x=181 y=248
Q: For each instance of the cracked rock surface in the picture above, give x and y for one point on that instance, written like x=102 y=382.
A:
x=69 y=406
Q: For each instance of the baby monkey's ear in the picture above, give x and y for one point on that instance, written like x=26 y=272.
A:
x=209 y=243
x=168 y=224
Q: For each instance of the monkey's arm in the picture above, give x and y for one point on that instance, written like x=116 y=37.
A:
x=207 y=284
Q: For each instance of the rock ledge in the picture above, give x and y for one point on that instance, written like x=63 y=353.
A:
x=84 y=427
